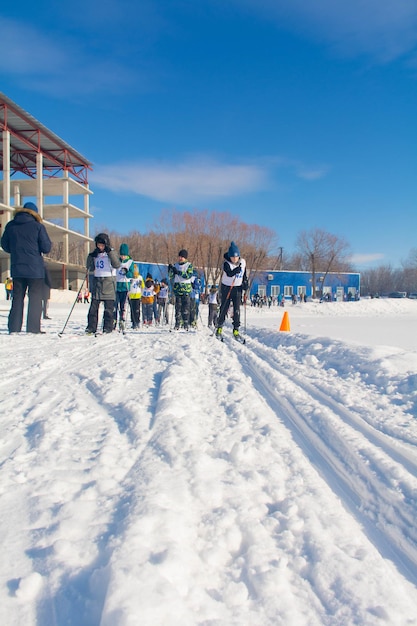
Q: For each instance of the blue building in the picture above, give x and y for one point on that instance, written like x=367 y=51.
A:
x=156 y=270
x=334 y=285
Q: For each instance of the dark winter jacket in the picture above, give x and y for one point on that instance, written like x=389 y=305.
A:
x=102 y=288
x=25 y=239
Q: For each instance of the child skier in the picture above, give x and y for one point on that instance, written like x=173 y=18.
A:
x=100 y=265
x=195 y=299
x=136 y=287
x=148 y=297
x=213 y=301
x=163 y=302
x=123 y=276
x=181 y=273
x=233 y=281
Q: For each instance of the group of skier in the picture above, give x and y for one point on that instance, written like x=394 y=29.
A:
x=103 y=264
x=114 y=280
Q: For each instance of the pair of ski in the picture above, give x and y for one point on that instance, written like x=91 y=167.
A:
x=237 y=338
x=121 y=329
x=189 y=329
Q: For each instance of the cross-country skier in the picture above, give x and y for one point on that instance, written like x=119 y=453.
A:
x=234 y=279
x=136 y=287
x=181 y=273
x=101 y=263
x=123 y=276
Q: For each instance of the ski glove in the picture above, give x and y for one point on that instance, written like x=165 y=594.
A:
x=108 y=249
x=172 y=269
x=123 y=270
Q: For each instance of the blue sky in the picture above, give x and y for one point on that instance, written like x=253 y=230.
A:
x=292 y=115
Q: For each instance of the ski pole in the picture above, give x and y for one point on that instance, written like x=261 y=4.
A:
x=200 y=317
x=75 y=302
x=171 y=301
x=244 y=311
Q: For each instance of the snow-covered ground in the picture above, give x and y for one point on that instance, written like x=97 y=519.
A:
x=167 y=479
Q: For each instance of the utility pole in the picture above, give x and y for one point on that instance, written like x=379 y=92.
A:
x=280 y=256
x=279 y=259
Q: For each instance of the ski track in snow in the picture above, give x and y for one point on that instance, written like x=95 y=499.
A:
x=250 y=448
x=333 y=438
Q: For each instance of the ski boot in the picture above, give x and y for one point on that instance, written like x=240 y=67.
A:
x=237 y=336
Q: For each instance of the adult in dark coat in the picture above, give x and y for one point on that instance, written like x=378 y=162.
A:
x=25 y=239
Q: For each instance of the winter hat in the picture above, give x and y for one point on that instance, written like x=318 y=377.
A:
x=183 y=253
x=233 y=250
x=124 y=249
x=102 y=238
x=31 y=206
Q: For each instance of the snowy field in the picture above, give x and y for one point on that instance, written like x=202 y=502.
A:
x=167 y=479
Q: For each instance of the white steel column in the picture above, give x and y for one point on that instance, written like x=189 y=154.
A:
x=39 y=182
x=86 y=223
x=6 y=168
x=16 y=195
x=65 y=200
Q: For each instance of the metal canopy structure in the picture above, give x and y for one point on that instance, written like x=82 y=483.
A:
x=29 y=137
x=37 y=164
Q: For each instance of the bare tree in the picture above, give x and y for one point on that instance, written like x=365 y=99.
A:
x=321 y=253
x=377 y=281
x=207 y=236
x=409 y=273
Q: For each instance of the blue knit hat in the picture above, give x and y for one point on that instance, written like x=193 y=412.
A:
x=124 y=249
x=233 y=250
x=31 y=206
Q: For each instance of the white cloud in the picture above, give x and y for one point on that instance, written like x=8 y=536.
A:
x=302 y=170
x=366 y=258
x=24 y=50
x=56 y=66
x=311 y=173
x=198 y=178
x=186 y=183
x=382 y=29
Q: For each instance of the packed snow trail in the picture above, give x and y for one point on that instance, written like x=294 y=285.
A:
x=165 y=478
x=333 y=438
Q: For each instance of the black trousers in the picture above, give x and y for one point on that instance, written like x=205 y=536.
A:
x=34 y=288
x=212 y=316
x=135 y=311
x=228 y=296
x=182 y=310
x=120 y=305
x=93 y=315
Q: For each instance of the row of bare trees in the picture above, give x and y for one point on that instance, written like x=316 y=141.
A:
x=384 y=279
x=207 y=236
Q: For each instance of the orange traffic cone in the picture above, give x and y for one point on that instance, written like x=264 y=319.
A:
x=285 y=324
